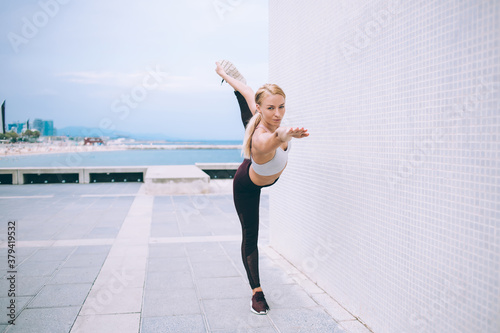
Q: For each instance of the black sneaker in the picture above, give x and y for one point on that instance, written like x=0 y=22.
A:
x=259 y=305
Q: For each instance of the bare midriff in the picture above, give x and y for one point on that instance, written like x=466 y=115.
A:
x=263 y=180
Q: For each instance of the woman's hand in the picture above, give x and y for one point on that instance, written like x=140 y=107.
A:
x=287 y=133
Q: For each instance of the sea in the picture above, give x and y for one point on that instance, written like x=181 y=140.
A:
x=129 y=157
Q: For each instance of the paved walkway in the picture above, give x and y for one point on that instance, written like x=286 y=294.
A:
x=108 y=258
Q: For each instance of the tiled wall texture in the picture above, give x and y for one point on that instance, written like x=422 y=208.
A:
x=392 y=205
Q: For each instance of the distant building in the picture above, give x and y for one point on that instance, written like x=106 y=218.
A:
x=16 y=127
x=45 y=127
x=38 y=125
x=48 y=128
x=93 y=141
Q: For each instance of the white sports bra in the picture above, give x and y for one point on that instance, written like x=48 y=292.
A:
x=275 y=165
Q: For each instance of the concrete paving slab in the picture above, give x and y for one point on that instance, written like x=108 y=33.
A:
x=288 y=296
x=168 y=264
x=140 y=275
x=167 y=280
x=173 y=302
x=113 y=299
x=214 y=269
x=332 y=307
x=225 y=287
x=354 y=326
x=45 y=320
x=20 y=303
x=61 y=295
x=123 y=323
x=173 y=324
x=167 y=250
x=97 y=249
x=75 y=275
x=38 y=268
x=85 y=260
x=29 y=285
x=165 y=230
x=304 y=320
x=51 y=254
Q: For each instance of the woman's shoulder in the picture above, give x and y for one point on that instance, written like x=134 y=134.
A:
x=261 y=129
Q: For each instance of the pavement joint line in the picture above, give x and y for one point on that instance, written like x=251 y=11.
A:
x=111 y=241
x=198 y=294
x=28 y=197
x=107 y=195
x=128 y=254
x=194 y=239
x=62 y=242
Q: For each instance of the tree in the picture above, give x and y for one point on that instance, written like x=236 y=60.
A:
x=32 y=134
x=12 y=136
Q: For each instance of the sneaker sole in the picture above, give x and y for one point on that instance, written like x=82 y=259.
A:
x=231 y=70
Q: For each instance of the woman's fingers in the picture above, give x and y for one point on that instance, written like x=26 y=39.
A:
x=297 y=132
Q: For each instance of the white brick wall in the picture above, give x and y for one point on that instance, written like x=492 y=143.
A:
x=392 y=205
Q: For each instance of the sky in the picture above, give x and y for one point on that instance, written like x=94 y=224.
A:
x=134 y=66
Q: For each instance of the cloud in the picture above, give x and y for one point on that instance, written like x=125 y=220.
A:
x=47 y=92
x=102 y=78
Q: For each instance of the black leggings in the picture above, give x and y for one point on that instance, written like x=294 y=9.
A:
x=246 y=196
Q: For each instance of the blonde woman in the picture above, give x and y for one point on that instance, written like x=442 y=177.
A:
x=265 y=148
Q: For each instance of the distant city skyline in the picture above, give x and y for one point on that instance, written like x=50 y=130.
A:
x=135 y=67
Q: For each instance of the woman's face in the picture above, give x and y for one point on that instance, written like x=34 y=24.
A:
x=272 y=109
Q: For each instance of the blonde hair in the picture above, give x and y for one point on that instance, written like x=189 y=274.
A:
x=263 y=92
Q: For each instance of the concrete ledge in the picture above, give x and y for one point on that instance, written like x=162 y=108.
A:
x=13 y=172
x=175 y=179
x=218 y=166
x=83 y=172
x=169 y=179
x=115 y=169
x=38 y=171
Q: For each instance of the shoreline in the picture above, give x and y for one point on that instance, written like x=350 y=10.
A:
x=44 y=149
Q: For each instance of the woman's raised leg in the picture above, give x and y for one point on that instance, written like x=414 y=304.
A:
x=239 y=86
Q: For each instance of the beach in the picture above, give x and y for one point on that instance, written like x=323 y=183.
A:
x=58 y=148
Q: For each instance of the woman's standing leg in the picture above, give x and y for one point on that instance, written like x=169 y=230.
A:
x=246 y=196
x=246 y=202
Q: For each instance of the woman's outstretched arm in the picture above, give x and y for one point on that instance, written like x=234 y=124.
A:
x=266 y=142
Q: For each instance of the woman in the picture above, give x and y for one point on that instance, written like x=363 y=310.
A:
x=265 y=148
